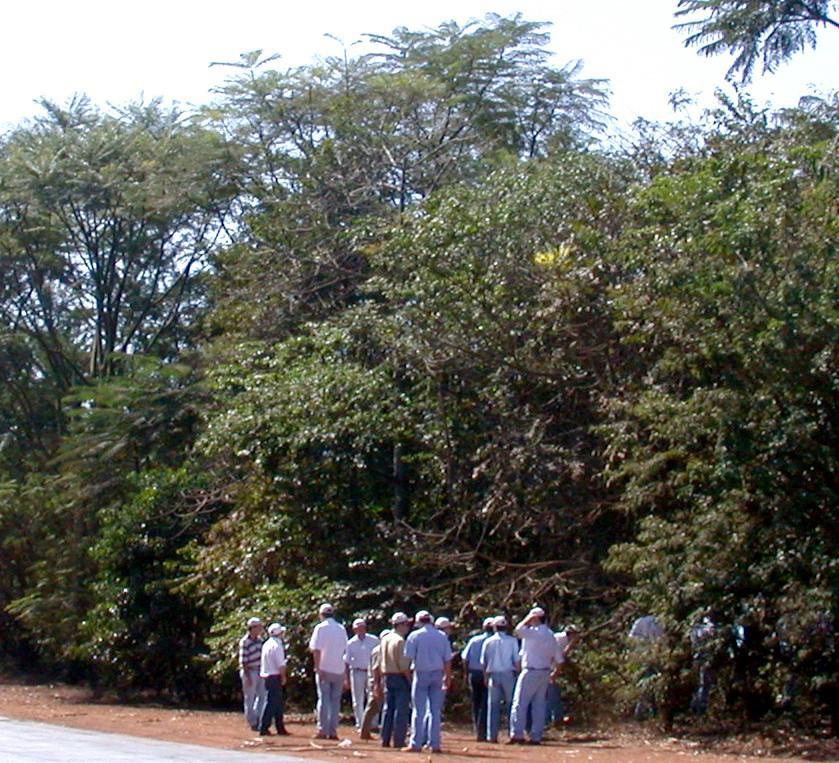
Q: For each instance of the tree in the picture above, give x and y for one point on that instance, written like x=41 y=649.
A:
x=773 y=30
x=105 y=224
x=725 y=444
x=330 y=144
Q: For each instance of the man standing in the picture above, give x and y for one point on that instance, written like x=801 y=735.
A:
x=473 y=674
x=431 y=655
x=396 y=671
x=538 y=654
x=357 y=660
x=500 y=661
x=253 y=687
x=273 y=672
x=328 y=644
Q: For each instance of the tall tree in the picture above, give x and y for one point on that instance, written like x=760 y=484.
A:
x=774 y=30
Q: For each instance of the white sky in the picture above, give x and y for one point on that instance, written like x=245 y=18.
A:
x=117 y=50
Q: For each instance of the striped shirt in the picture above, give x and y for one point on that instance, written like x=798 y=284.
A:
x=250 y=652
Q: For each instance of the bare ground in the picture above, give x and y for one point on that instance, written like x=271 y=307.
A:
x=76 y=707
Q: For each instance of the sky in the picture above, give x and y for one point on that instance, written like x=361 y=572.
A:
x=117 y=51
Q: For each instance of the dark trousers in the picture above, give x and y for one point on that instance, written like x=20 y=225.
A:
x=274 y=705
x=479 y=703
x=397 y=702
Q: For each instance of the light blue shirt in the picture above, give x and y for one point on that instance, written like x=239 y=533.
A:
x=471 y=653
x=500 y=653
x=538 y=647
x=428 y=649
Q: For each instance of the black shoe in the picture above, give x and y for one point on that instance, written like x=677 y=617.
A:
x=282 y=732
x=532 y=741
x=265 y=734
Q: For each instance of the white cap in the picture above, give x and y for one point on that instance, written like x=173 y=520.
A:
x=538 y=611
x=500 y=621
x=359 y=621
x=254 y=621
x=275 y=629
x=384 y=633
x=423 y=616
x=399 y=618
x=572 y=628
x=442 y=622
x=489 y=622
x=326 y=609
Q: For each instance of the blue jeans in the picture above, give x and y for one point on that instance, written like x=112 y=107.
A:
x=479 y=703
x=553 y=702
x=330 y=687
x=253 y=696
x=529 y=695
x=500 y=688
x=274 y=705
x=397 y=702
x=427 y=696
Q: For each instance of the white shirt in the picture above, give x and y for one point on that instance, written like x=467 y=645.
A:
x=273 y=657
x=330 y=639
x=562 y=640
x=646 y=629
x=538 y=647
x=357 y=656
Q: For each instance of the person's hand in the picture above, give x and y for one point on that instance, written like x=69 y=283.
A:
x=246 y=677
x=346 y=685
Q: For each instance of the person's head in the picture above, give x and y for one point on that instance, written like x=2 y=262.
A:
x=276 y=630
x=401 y=622
x=359 y=627
x=326 y=611
x=423 y=617
x=536 y=615
x=488 y=624
x=254 y=627
x=500 y=624
x=443 y=624
x=572 y=632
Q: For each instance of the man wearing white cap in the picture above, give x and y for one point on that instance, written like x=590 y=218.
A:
x=396 y=672
x=253 y=687
x=431 y=656
x=357 y=661
x=473 y=673
x=328 y=644
x=273 y=671
x=500 y=661
x=538 y=654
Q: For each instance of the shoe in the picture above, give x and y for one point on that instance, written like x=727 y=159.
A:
x=533 y=741
x=491 y=741
x=333 y=736
x=319 y=735
x=515 y=740
x=411 y=749
x=283 y=732
x=254 y=728
x=265 y=734
x=436 y=750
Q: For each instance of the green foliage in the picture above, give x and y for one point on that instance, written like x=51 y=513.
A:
x=726 y=447
x=774 y=30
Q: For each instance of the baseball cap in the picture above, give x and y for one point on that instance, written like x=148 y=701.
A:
x=399 y=618
x=489 y=622
x=254 y=621
x=359 y=621
x=326 y=609
x=423 y=616
x=442 y=622
x=500 y=621
x=538 y=611
x=275 y=629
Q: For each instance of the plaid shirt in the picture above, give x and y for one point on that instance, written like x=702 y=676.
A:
x=250 y=652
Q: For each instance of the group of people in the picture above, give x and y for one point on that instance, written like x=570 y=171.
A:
x=402 y=677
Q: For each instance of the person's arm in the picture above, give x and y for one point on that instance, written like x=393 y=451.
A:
x=447 y=675
x=520 y=629
x=246 y=677
x=404 y=660
x=314 y=644
x=464 y=660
